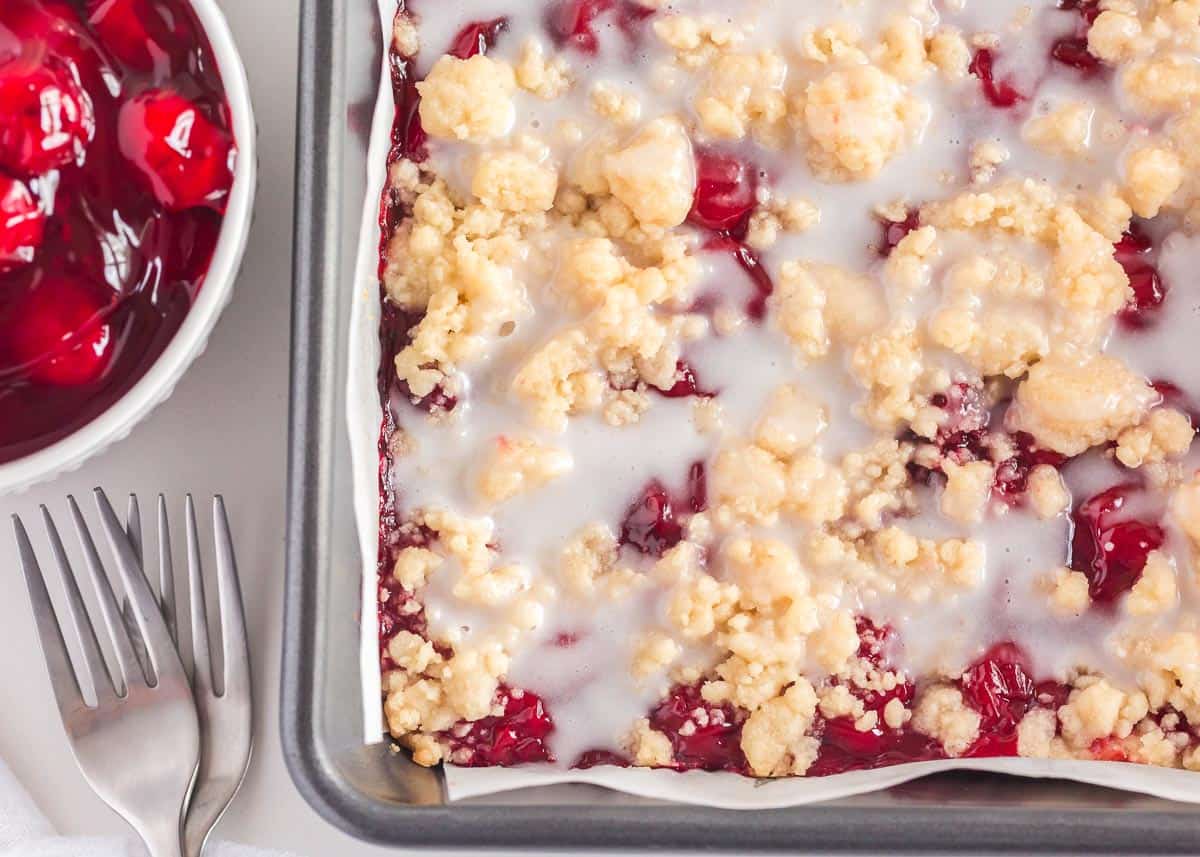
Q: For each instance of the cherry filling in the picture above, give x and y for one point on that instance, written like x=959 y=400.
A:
x=704 y=736
x=650 y=525
x=1000 y=93
x=967 y=435
x=893 y=232
x=147 y=36
x=725 y=193
x=476 y=38
x=22 y=224
x=1073 y=50
x=1135 y=253
x=685 y=384
x=517 y=736
x=115 y=168
x=1109 y=546
x=844 y=747
x=999 y=687
x=573 y=23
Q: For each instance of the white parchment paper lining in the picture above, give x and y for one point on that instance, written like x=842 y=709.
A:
x=710 y=789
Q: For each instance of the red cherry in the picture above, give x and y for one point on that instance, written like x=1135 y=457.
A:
x=1135 y=253
x=1088 y=10
x=756 y=307
x=844 y=748
x=185 y=157
x=1001 y=93
x=49 y=120
x=725 y=193
x=54 y=26
x=1149 y=291
x=1073 y=51
x=570 y=22
x=999 y=687
x=142 y=34
x=476 y=38
x=22 y=224
x=61 y=335
x=1012 y=474
x=1111 y=553
x=1108 y=750
x=1134 y=242
x=515 y=737
x=408 y=135
x=713 y=739
x=650 y=524
x=895 y=231
x=685 y=384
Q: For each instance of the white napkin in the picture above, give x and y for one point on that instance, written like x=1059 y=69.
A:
x=25 y=832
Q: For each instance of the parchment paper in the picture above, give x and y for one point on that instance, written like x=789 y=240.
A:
x=728 y=791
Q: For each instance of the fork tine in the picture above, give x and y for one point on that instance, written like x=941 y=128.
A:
x=85 y=631
x=133 y=528
x=202 y=677
x=54 y=647
x=166 y=571
x=159 y=647
x=127 y=664
x=234 y=646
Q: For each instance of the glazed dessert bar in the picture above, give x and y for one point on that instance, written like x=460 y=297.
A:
x=791 y=388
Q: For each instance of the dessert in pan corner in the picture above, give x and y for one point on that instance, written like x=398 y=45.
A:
x=791 y=389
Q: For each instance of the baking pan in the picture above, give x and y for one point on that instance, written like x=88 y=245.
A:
x=377 y=794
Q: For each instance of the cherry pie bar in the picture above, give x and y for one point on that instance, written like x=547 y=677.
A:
x=791 y=388
x=116 y=162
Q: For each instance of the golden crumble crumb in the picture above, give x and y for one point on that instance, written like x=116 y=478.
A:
x=968 y=487
x=1070 y=404
x=649 y=747
x=654 y=653
x=654 y=175
x=545 y=78
x=1166 y=433
x=774 y=738
x=468 y=100
x=858 y=119
x=1070 y=592
x=941 y=714
x=1048 y=494
x=1156 y=591
x=512 y=181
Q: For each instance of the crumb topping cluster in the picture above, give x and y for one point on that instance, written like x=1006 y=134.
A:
x=781 y=391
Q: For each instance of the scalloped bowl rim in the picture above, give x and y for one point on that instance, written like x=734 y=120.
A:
x=190 y=340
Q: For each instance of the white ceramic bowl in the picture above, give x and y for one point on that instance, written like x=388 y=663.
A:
x=190 y=340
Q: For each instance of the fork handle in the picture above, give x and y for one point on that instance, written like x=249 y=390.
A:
x=163 y=841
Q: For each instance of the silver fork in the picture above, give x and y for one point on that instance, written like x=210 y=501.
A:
x=223 y=697
x=138 y=746
x=223 y=702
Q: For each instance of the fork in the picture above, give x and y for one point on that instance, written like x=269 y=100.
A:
x=138 y=745
x=224 y=702
x=222 y=698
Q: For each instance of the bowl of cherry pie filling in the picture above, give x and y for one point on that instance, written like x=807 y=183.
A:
x=126 y=179
x=787 y=390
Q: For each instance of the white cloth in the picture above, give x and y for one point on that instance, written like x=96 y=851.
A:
x=25 y=832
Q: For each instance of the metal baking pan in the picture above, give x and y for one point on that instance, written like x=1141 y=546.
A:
x=376 y=794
